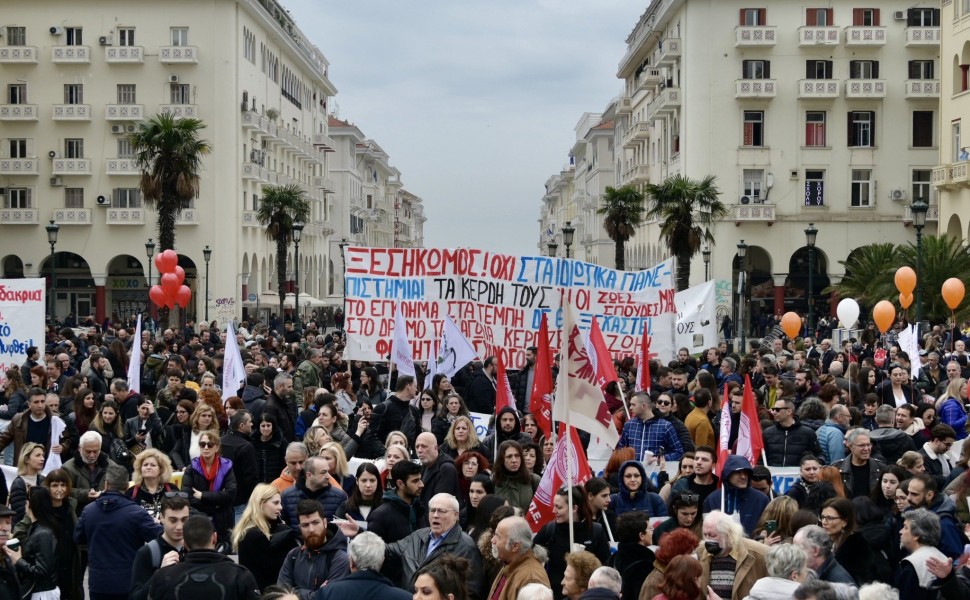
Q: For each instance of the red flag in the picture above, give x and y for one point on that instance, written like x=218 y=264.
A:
x=643 y=358
x=554 y=477
x=724 y=435
x=599 y=355
x=540 y=399
x=503 y=391
x=749 y=443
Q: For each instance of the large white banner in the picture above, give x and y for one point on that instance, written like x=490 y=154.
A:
x=696 y=318
x=22 y=308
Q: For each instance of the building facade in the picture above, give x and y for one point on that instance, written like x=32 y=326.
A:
x=950 y=177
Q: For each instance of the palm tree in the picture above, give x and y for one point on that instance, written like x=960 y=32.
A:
x=687 y=209
x=623 y=212
x=869 y=274
x=169 y=153
x=279 y=208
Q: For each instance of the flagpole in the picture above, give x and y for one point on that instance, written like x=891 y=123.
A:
x=569 y=485
x=626 y=409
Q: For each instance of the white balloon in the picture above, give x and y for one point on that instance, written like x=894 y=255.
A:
x=848 y=312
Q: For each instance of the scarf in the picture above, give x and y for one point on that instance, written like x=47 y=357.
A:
x=918 y=559
x=210 y=474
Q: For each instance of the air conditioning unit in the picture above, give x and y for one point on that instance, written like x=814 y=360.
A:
x=173 y=78
x=103 y=201
x=131 y=129
x=745 y=200
x=898 y=194
x=899 y=15
x=56 y=30
x=57 y=181
x=51 y=154
x=117 y=129
x=104 y=40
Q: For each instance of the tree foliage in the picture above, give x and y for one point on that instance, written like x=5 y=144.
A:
x=279 y=208
x=622 y=213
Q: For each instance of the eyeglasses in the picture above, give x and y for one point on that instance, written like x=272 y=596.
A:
x=439 y=511
x=826 y=518
x=208 y=445
x=780 y=408
x=176 y=495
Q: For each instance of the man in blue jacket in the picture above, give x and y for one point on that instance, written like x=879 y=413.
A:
x=366 y=556
x=739 y=498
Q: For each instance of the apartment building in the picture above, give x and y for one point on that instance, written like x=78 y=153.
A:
x=950 y=177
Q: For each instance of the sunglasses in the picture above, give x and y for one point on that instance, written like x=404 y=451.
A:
x=176 y=495
x=663 y=403
x=690 y=498
x=780 y=408
x=208 y=445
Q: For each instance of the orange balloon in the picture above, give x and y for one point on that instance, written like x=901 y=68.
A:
x=792 y=324
x=905 y=280
x=953 y=292
x=905 y=300
x=884 y=313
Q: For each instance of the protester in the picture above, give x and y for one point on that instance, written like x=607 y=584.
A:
x=165 y=550
x=261 y=538
x=512 y=545
x=731 y=563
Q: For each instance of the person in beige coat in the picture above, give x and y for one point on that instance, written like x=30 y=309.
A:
x=512 y=541
x=737 y=561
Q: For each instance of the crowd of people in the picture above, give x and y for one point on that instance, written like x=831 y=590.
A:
x=321 y=477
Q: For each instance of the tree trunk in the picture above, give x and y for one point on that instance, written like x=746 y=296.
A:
x=618 y=255
x=281 y=271
x=683 y=271
x=166 y=241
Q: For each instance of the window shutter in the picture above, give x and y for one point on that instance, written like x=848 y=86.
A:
x=923 y=129
x=857 y=17
x=913 y=70
x=853 y=69
x=745 y=68
x=741 y=18
x=851 y=139
x=875 y=17
x=936 y=17
x=809 y=134
x=872 y=128
x=912 y=17
x=763 y=16
x=767 y=69
x=963 y=77
x=810 y=17
x=875 y=69
x=829 y=17
x=809 y=69
x=828 y=69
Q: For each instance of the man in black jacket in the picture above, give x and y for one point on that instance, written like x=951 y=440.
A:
x=278 y=405
x=888 y=443
x=480 y=394
x=390 y=415
x=205 y=573
x=934 y=452
x=237 y=448
x=787 y=440
x=164 y=551
x=507 y=427
x=633 y=558
x=522 y=389
x=9 y=584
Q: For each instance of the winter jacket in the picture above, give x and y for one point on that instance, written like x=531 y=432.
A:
x=699 y=426
x=394 y=519
x=279 y=409
x=217 y=501
x=785 y=446
x=957 y=585
x=440 y=477
x=199 y=575
x=953 y=414
x=307 y=570
x=845 y=467
x=491 y=442
x=951 y=530
x=934 y=466
x=181 y=442
x=361 y=584
x=518 y=494
x=16 y=434
x=144 y=567
x=889 y=444
x=641 y=500
x=554 y=537
x=750 y=557
x=270 y=456
x=412 y=552
x=747 y=502
x=18 y=496
x=153 y=426
x=83 y=480
x=114 y=527
x=16 y=403
x=237 y=448
x=388 y=416
x=480 y=394
x=856 y=557
x=522 y=571
x=330 y=498
x=831 y=438
x=306 y=375
x=264 y=556
x=833 y=572
x=254 y=399
x=634 y=562
x=683 y=434
x=38 y=566
x=773 y=588
x=9 y=582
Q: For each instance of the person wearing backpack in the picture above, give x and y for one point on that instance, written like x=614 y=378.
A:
x=321 y=559
x=204 y=573
x=165 y=550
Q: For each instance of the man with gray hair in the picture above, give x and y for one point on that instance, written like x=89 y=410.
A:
x=87 y=469
x=512 y=544
x=919 y=536
x=534 y=591
x=604 y=584
x=787 y=566
x=859 y=462
x=888 y=443
x=732 y=563
x=294 y=457
x=831 y=435
x=366 y=556
x=818 y=547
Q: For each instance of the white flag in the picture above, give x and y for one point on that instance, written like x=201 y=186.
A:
x=233 y=371
x=134 y=364
x=401 y=355
x=455 y=350
x=432 y=369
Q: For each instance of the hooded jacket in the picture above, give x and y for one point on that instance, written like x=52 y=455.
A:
x=394 y=519
x=746 y=502
x=306 y=570
x=491 y=443
x=254 y=398
x=641 y=500
x=889 y=444
x=951 y=540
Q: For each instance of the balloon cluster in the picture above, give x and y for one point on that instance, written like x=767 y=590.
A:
x=171 y=291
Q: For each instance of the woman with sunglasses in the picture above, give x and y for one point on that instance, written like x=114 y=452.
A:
x=211 y=484
x=685 y=513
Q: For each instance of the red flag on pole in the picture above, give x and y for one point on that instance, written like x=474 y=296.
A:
x=539 y=400
x=749 y=443
x=643 y=359
x=554 y=477
x=600 y=355
x=503 y=391
x=724 y=435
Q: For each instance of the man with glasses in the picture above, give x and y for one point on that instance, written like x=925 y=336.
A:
x=860 y=472
x=934 y=452
x=788 y=440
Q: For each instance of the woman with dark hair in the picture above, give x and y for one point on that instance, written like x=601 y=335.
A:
x=685 y=513
x=679 y=542
x=871 y=525
x=598 y=494
x=774 y=526
x=532 y=455
x=440 y=387
x=38 y=378
x=469 y=464
x=426 y=413
x=14 y=394
x=118 y=357
x=108 y=423
x=884 y=495
x=367 y=494
x=636 y=492
x=83 y=410
x=927 y=412
x=479 y=521
x=270 y=449
x=442 y=579
x=680 y=580
x=479 y=488
x=370 y=387
x=866 y=382
x=531 y=428
x=513 y=481
x=343 y=389
x=37 y=563
x=450 y=409
x=611 y=392
x=849 y=546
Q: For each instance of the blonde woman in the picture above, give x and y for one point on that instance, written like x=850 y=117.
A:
x=950 y=407
x=261 y=537
x=314 y=439
x=29 y=465
x=394 y=454
x=461 y=437
x=398 y=438
x=333 y=453
x=152 y=476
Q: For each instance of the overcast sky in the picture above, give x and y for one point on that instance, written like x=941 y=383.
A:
x=474 y=101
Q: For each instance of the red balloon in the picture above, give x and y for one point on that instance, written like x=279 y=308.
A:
x=157 y=294
x=170 y=281
x=180 y=273
x=166 y=261
x=182 y=296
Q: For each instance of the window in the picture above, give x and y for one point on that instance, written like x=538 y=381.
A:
x=16 y=36
x=17 y=93
x=865 y=17
x=126 y=198
x=755 y=69
x=753 y=184
x=126 y=93
x=73 y=197
x=818 y=69
x=753 y=17
x=864 y=69
x=814 y=187
x=956 y=151
x=249 y=45
x=180 y=93
x=921 y=69
x=754 y=128
x=862 y=129
x=73 y=93
x=922 y=128
x=126 y=36
x=74 y=36
x=818 y=17
x=180 y=36
x=815 y=128
x=923 y=17
x=74 y=148
x=370 y=201
x=124 y=148
x=921 y=185
x=17 y=198
x=861 y=188
x=17 y=148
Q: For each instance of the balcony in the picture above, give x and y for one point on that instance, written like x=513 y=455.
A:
x=754 y=37
x=180 y=111
x=932 y=214
x=124 y=112
x=71 y=54
x=325 y=183
x=819 y=89
x=19 y=216
x=250 y=220
x=121 y=166
x=624 y=105
x=124 y=216
x=638 y=131
x=19 y=166
x=18 y=112
x=178 y=55
x=865 y=36
x=818 y=36
x=18 y=55
x=865 y=88
x=324 y=142
x=949 y=176
x=668 y=53
x=665 y=103
x=72 y=112
x=253 y=120
x=130 y=55
x=754 y=212
x=72 y=216
x=755 y=88
x=637 y=174
x=649 y=78
x=71 y=166
x=922 y=36
x=918 y=89
x=188 y=216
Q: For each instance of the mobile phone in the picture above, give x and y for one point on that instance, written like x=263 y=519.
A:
x=771 y=526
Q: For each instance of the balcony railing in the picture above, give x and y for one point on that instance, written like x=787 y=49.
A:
x=18 y=112
x=624 y=105
x=649 y=78
x=754 y=212
x=922 y=36
x=124 y=112
x=323 y=141
x=124 y=54
x=745 y=36
x=178 y=55
x=188 y=216
x=249 y=219
x=180 y=111
x=72 y=112
x=932 y=214
x=667 y=101
x=819 y=88
x=637 y=174
x=755 y=88
x=18 y=54
x=72 y=216
x=125 y=216
x=638 y=131
x=71 y=166
x=818 y=36
x=952 y=175
x=19 y=216
x=121 y=166
x=865 y=88
x=922 y=88
x=325 y=183
x=865 y=36
x=668 y=53
x=71 y=54
x=19 y=166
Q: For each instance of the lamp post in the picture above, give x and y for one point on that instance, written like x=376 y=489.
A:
x=919 y=209
x=742 y=252
x=706 y=253
x=567 y=236
x=207 y=255
x=297 y=234
x=810 y=234
x=52 y=230
x=343 y=259
x=553 y=247
x=150 y=252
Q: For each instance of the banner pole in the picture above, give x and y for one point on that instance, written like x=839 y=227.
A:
x=569 y=485
x=626 y=409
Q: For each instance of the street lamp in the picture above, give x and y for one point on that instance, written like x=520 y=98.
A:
x=52 y=230
x=207 y=254
x=919 y=209
x=343 y=258
x=810 y=234
x=553 y=247
x=297 y=234
x=706 y=253
x=567 y=236
x=742 y=252
x=150 y=252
